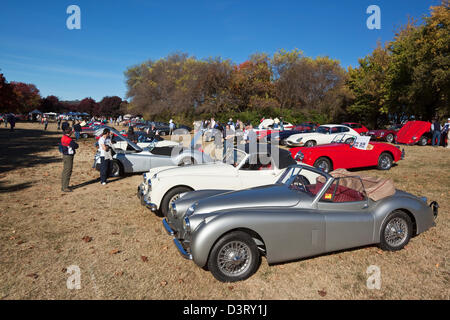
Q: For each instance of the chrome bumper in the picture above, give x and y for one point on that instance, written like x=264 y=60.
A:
x=145 y=202
x=177 y=243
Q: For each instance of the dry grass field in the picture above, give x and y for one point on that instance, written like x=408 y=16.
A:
x=124 y=253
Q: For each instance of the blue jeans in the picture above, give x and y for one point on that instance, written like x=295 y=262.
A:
x=77 y=135
x=436 y=135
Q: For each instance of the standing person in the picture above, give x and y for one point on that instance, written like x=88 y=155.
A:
x=281 y=124
x=446 y=132
x=104 y=147
x=45 y=123
x=5 y=119
x=12 y=122
x=436 y=130
x=171 y=126
x=68 y=147
x=77 y=129
x=59 y=122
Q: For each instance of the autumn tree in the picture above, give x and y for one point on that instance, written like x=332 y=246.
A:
x=27 y=97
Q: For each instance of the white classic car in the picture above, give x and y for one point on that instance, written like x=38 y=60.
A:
x=323 y=135
x=262 y=166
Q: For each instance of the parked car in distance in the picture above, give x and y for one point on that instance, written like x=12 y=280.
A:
x=341 y=154
x=281 y=136
x=135 y=159
x=227 y=233
x=415 y=132
x=387 y=135
x=248 y=168
x=324 y=134
x=358 y=127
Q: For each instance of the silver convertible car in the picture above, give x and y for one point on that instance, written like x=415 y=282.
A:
x=306 y=213
x=133 y=158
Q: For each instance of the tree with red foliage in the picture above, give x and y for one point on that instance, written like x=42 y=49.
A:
x=7 y=96
x=87 y=105
x=109 y=106
x=27 y=97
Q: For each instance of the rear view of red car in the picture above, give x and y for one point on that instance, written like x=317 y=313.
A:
x=415 y=132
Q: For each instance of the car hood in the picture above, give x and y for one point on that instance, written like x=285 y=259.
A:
x=413 y=129
x=196 y=170
x=275 y=195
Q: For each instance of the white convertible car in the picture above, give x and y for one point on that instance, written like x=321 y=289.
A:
x=262 y=166
x=323 y=135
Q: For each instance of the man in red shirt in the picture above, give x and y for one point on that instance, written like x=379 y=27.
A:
x=68 y=151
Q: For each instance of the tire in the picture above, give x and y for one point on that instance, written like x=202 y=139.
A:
x=116 y=169
x=243 y=257
x=162 y=133
x=186 y=161
x=396 y=231
x=310 y=143
x=385 y=161
x=171 y=196
x=423 y=141
x=390 y=138
x=85 y=136
x=324 y=164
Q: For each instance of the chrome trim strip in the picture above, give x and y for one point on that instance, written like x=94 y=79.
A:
x=181 y=250
x=167 y=228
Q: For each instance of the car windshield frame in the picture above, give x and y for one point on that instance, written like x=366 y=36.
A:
x=233 y=150
x=288 y=177
x=341 y=138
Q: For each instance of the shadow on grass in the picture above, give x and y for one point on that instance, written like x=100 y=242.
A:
x=15 y=187
x=97 y=180
x=19 y=149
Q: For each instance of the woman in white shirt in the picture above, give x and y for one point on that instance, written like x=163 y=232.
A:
x=104 y=147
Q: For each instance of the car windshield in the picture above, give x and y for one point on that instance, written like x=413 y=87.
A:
x=301 y=179
x=234 y=157
x=344 y=138
x=323 y=130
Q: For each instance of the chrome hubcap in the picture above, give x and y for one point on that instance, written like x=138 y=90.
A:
x=385 y=162
x=234 y=258
x=323 y=165
x=396 y=232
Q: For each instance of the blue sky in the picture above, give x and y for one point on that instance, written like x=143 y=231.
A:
x=36 y=46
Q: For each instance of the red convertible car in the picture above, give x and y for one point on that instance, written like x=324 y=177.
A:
x=341 y=154
x=388 y=134
x=356 y=126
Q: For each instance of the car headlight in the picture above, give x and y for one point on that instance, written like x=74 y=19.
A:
x=414 y=138
x=299 y=139
x=186 y=225
x=299 y=156
x=381 y=134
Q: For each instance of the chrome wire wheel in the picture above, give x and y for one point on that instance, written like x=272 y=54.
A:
x=396 y=232
x=234 y=258
x=384 y=162
x=390 y=137
x=173 y=199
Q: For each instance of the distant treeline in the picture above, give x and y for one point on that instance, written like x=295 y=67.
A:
x=409 y=76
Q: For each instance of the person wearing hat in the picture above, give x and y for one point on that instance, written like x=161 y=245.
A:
x=68 y=147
